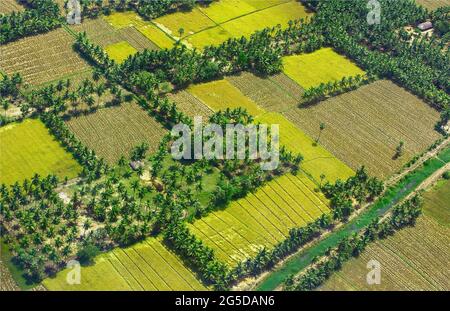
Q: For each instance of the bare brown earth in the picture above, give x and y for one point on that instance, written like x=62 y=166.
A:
x=364 y=127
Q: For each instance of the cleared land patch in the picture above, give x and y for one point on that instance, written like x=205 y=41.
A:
x=113 y=132
x=148 y=265
x=9 y=6
x=414 y=258
x=317 y=160
x=221 y=94
x=28 y=148
x=320 y=66
x=363 y=127
x=120 y=51
x=261 y=219
x=42 y=58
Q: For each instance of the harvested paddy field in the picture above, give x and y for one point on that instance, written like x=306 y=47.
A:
x=9 y=6
x=32 y=149
x=42 y=58
x=364 y=127
x=261 y=219
x=415 y=258
x=189 y=104
x=433 y=4
x=113 y=132
x=320 y=66
x=148 y=265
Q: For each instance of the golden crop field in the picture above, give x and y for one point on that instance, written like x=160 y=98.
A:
x=317 y=161
x=363 y=127
x=189 y=104
x=433 y=4
x=415 y=258
x=42 y=58
x=30 y=149
x=120 y=51
x=113 y=132
x=9 y=6
x=320 y=66
x=148 y=265
x=261 y=219
x=221 y=94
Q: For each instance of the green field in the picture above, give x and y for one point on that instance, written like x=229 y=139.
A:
x=28 y=148
x=113 y=132
x=261 y=219
x=120 y=51
x=148 y=265
x=219 y=95
x=317 y=160
x=414 y=258
x=321 y=66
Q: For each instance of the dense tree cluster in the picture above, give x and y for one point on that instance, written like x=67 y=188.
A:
x=404 y=214
x=40 y=16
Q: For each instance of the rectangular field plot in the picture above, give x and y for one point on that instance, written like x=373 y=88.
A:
x=261 y=219
x=189 y=104
x=437 y=203
x=120 y=51
x=317 y=160
x=148 y=265
x=28 y=148
x=364 y=127
x=433 y=4
x=9 y=6
x=113 y=132
x=321 y=66
x=219 y=95
x=414 y=258
x=42 y=58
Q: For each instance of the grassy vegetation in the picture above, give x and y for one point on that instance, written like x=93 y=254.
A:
x=317 y=160
x=31 y=149
x=364 y=127
x=42 y=58
x=120 y=51
x=415 y=258
x=219 y=95
x=148 y=265
x=261 y=219
x=392 y=196
x=113 y=132
x=321 y=66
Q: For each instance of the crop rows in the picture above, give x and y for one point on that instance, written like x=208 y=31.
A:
x=113 y=132
x=9 y=6
x=261 y=219
x=148 y=265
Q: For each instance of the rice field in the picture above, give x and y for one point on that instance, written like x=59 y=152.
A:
x=221 y=94
x=320 y=66
x=113 y=132
x=42 y=58
x=148 y=265
x=317 y=161
x=363 y=127
x=28 y=148
x=261 y=219
x=9 y=6
x=120 y=51
x=433 y=4
x=415 y=258
x=189 y=104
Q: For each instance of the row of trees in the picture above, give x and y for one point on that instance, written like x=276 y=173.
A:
x=333 y=88
x=404 y=214
x=40 y=16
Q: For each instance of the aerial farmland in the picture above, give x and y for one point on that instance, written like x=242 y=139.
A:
x=224 y=145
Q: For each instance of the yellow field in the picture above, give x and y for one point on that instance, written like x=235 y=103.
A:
x=148 y=265
x=120 y=51
x=261 y=219
x=321 y=66
x=125 y=19
x=317 y=160
x=224 y=10
x=27 y=148
x=191 y=22
x=219 y=95
x=157 y=36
